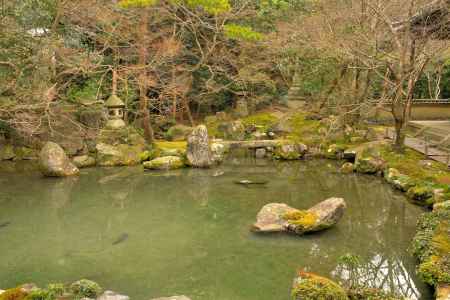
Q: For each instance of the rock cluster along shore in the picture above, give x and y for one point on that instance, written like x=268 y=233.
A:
x=81 y=289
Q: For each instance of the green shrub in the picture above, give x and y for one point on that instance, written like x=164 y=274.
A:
x=86 y=289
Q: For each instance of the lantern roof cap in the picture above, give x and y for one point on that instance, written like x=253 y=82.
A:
x=114 y=101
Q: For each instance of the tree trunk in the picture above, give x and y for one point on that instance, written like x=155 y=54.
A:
x=143 y=100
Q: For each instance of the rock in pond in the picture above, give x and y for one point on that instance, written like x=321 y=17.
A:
x=347 y=168
x=311 y=286
x=54 y=162
x=83 y=161
x=164 y=163
x=173 y=298
x=110 y=295
x=290 y=151
x=198 y=152
x=260 y=153
x=279 y=217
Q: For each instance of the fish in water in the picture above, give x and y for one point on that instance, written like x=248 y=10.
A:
x=122 y=238
x=5 y=224
x=218 y=173
x=250 y=182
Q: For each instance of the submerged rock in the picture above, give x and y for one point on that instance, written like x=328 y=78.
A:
x=53 y=162
x=83 y=161
x=311 y=286
x=173 y=298
x=198 y=152
x=164 y=163
x=279 y=217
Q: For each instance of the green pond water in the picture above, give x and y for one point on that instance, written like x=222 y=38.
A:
x=187 y=232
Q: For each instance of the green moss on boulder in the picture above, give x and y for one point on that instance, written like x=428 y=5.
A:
x=308 y=286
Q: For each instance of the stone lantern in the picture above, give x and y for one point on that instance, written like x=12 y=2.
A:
x=116 y=109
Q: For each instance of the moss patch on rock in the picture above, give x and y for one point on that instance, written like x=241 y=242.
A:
x=304 y=220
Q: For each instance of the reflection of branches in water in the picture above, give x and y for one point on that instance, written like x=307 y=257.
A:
x=380 y=272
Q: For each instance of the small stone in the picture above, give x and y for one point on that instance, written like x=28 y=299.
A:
x=260 y=153
x=347 y=168
x=218 y=151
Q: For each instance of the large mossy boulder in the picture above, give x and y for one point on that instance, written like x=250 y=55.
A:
x=164 y=163
x=421 y=194
x=119 y=155
x=178 y=132
x=120 y=147
x=279 y=217
x=309 y=286
x=53 y=162
x=198 y=153
x=290 y=151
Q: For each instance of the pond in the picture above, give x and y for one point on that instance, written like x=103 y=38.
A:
x=154 y=234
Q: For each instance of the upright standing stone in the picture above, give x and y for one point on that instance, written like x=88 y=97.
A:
x=54 y=162
x=198 y=152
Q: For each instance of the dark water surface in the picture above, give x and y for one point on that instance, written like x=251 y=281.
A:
x=187 y=232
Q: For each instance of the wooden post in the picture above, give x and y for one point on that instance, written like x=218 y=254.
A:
x=426 y=146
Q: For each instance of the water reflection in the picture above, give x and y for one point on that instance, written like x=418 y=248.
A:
x=386 y=273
